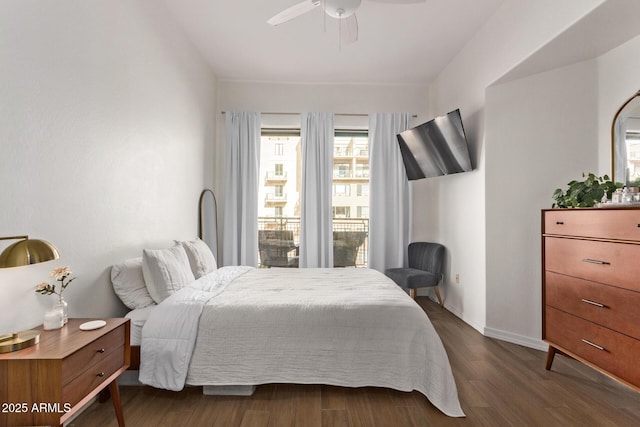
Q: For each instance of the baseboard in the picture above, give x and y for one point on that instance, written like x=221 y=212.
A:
x=516 y=339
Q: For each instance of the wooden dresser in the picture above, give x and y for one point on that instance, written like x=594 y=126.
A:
x=48 y=383
x=591 y=288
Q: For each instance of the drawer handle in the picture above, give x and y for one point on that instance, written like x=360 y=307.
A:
x=101 y=374
x=597 y=304
x=595 y=261
x=101 y=350
x=593 y=345
x=562 y=223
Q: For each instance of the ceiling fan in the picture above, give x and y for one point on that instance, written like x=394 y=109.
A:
x=344 y=10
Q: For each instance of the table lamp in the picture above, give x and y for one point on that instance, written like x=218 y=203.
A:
x=25 y=252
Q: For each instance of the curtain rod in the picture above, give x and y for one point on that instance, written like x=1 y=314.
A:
x=337 y=114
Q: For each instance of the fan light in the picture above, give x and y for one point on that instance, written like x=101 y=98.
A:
x=341 y=8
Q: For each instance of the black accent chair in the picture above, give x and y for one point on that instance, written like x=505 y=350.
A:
x=426 y=265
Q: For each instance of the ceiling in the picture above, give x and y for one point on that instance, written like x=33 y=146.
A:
x=398 y=43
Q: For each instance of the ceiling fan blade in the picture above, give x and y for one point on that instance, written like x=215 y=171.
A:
x=400 y=1
x=293 y=12
x=349 y=32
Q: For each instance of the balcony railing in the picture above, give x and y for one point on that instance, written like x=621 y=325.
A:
x=345 y=230
x=275 y=198
x=276 y=176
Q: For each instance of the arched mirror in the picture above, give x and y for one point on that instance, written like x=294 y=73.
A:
x=625 y=143
x=208 y=220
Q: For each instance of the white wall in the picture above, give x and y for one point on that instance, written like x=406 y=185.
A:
x=337 y=98
x=106 y=117
x=456 y=216
x=541 y=133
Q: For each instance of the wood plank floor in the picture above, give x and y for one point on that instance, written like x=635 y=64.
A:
x=499 y=384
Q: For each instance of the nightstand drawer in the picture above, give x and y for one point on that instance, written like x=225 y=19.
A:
x=93 y=353
x=91 y=377
x=605 y=305
x=605 y=262
x=609 y=350
x=597 y=223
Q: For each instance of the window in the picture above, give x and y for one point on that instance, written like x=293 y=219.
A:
x=278 y=193
x=341 y=189
x=341 y=211
x=280 y=185
x=342 y=170
x=362 y=170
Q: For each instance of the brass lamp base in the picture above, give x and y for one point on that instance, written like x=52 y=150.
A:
x=19 y=340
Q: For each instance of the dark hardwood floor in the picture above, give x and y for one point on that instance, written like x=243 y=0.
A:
x=499 y=384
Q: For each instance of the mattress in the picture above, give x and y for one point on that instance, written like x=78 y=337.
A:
x=344 y=327
x=138 y=319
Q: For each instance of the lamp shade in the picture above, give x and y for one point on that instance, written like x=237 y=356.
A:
x=26 y=252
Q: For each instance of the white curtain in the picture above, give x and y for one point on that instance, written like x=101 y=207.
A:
x=389 y=193
x=242 y=160
x=316 y=228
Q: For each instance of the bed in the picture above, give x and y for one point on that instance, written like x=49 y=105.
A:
x=241 y=326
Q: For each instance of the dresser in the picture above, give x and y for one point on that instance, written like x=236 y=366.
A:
x=591 y=288
x=48 y=383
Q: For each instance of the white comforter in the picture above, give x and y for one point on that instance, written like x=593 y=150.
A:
x=345 y=327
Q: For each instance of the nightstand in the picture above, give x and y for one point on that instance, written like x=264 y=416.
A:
x=48 y=383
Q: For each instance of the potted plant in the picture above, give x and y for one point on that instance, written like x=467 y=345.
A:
x=584 y=194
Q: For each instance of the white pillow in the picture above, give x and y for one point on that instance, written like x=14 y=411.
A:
x=165 y=271
x=128 y=283
x=200 y=257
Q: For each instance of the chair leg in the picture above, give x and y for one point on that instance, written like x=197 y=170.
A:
x=412 y=293
x=435 y=288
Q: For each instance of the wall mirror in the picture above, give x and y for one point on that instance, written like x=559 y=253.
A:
x=625 y=143
x=208 y=220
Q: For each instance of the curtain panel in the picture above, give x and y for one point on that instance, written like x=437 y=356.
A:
x=242 y=160
x=390 y=193
x=316 y=222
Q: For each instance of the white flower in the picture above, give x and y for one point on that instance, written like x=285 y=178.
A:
x=60 y=273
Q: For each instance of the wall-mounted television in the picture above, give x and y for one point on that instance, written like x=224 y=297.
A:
x=437 y=147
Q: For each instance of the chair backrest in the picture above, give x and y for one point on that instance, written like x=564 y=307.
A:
x=427 y=256
x=345 y=247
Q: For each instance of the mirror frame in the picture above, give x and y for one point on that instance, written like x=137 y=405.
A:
x=613 y=137
x=204 y=223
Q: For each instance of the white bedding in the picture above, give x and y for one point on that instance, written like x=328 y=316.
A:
x=345 y=327
x=138 y=318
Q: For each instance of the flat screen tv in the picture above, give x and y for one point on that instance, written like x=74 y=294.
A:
x=437 y=147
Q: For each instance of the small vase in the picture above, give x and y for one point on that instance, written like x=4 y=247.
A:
x=63 y=306
x=53 y=318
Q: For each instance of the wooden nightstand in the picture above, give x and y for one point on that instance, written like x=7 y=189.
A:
x=47 y=383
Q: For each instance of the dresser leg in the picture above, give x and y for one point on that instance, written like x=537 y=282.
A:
x=117 y=405
x=550 y=355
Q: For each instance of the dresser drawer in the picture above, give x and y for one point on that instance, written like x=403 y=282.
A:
x=91 y=376
x=615 y=308
x=599 y=223
x=617 y=353
x=92 y=354
x=605 y=262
